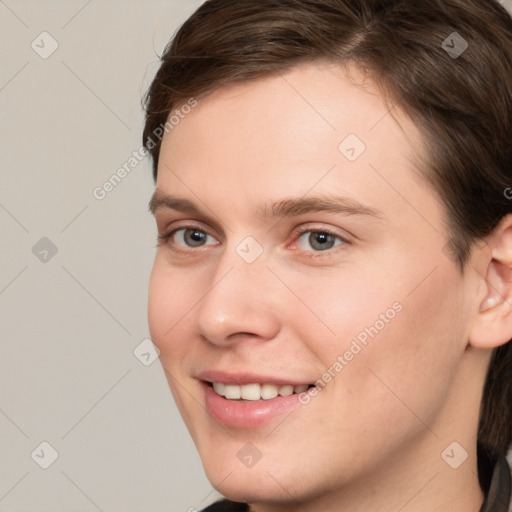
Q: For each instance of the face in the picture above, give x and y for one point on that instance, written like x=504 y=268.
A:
x=299 y=247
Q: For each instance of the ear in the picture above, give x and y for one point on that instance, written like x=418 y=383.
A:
x=493 y=325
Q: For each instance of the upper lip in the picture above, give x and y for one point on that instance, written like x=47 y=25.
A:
x=241 y=378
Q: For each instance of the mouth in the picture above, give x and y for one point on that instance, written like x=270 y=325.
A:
x=251 y=405
x=256 y=391
x=245 y=399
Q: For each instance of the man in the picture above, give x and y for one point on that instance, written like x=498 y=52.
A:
x=331 y=293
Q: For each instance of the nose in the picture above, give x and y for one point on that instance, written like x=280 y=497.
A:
x=240 y=303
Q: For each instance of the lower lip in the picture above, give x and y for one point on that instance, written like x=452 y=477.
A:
x=247 y=414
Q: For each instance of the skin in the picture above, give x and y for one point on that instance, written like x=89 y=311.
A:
x=373 y=438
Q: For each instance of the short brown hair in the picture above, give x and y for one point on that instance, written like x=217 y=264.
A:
x=460 y=100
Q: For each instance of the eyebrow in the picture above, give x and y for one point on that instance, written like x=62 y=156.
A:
x=286 y=207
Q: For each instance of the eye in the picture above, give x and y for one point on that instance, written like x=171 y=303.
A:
x=189 y=237
x=319 y=241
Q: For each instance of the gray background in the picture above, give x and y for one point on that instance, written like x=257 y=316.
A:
x=71 y=321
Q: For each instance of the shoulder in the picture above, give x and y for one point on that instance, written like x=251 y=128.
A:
x=226 y=506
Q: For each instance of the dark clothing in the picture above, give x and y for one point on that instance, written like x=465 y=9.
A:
x=497 y=499
x=226 y=506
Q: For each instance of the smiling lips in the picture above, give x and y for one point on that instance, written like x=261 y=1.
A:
x=247 y=400
x=256 y=391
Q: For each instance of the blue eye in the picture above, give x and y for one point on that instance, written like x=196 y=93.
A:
x=311 y=240
x=319 y=240
x=190 y=237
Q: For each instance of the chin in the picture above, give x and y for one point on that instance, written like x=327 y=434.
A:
x=248 y=489
x=266 y=481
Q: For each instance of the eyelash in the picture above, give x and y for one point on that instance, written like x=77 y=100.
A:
x=297 y=234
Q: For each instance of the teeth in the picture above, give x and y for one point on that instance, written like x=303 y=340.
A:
x=286 y=390
x=256 y=391
x=219 y=388
x=269 y=391
x=250 y=391
x=232 y=392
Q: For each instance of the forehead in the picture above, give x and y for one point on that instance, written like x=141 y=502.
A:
x=309 y=129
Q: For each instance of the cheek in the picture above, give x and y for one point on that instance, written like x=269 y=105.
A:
x=158 y=305
x=170 y=303
x=170 y=299
x=405 y=370
x=386 y=341
x=340 y=308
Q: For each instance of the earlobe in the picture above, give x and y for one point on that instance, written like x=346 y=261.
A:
x=493 y=327
x=493 y=323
